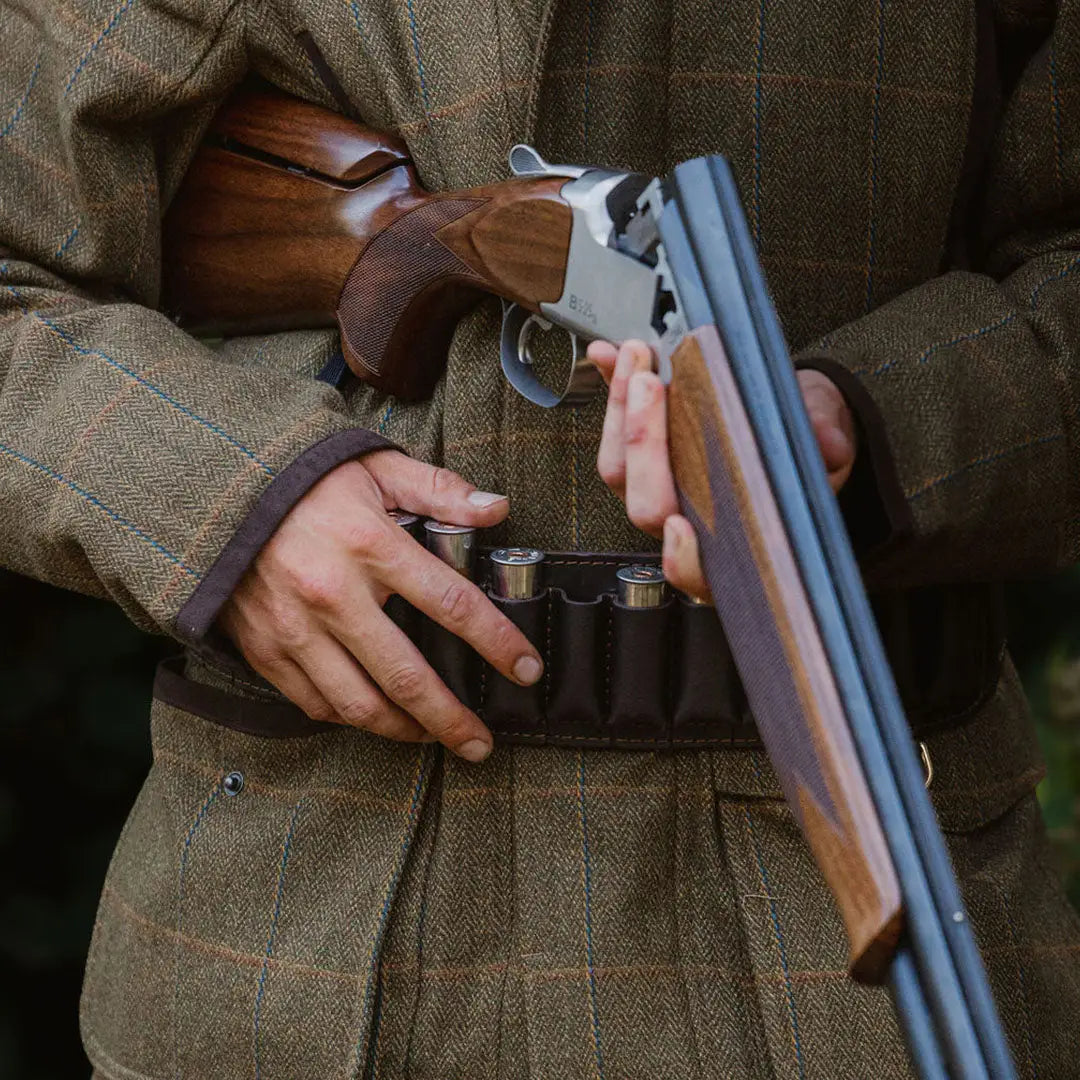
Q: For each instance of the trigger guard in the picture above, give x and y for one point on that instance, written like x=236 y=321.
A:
x=583 y=384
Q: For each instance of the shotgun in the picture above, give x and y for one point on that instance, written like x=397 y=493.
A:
x=292 y=216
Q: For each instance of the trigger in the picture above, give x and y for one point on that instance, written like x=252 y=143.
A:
x=584 y=382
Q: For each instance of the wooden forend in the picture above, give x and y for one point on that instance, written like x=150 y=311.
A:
x=766 y=613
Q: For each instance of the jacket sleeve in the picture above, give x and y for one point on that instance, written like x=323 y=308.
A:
x=969 y=385
x=135 y=462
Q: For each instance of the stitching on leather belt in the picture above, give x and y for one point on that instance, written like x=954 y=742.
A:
x=677 y=687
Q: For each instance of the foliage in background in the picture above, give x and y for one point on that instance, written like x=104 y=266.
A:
x=1044 y=635
x=74 y=748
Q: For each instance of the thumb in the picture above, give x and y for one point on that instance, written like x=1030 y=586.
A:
x=434 y=492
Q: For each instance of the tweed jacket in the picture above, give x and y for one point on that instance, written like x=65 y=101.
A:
x=912 y=179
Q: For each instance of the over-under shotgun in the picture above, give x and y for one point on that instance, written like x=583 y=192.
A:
x=292 y=216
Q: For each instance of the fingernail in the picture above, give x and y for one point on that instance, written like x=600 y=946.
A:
x=485 y=498
x=527 y=669
x=474 y=750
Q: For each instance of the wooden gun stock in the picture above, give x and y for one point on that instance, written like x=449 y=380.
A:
x=292 y=216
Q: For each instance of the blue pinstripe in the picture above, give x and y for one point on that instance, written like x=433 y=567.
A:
x=272 y=937
x=354 y=7
x=1023 y=982
x=381 y=428
x=15 y=292
x=875 y=127
x=759 y=66
x=1068 y=268
x=145 y=537
x=200 y=816
x=987 y=459
x=131 y=373
x=9 y=127
x=419 y=59
x=586 y=860
x=154 y=389
x=117 y=16
x=982 y=331
x=371 y=982
x=781 y=947
x=1005 y=320
x=590 y=16
x=1055 y=108
x=575 y=474
x=67 y=241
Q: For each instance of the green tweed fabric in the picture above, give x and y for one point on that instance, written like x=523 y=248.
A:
x=360 y=909
x=369 y=910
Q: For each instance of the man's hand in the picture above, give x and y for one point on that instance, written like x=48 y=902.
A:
x=308 y=616
x=633 y=458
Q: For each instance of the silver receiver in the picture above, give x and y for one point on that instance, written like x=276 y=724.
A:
x=615 y=287
x=641 y=586
x=454 y=544
x=515 y=573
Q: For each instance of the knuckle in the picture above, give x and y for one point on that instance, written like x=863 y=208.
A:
x=359 y=712
x=644 y=516
x=291 y=629
x=612 y=473
x=263 y=654
x=453 y=730
x=322 y=711
x=444 y=481
x=368 y=536
x=403 y=683
x=504 y=638
x=620 y=382
x=318 y=586
x=639 y=431
x=457 y=603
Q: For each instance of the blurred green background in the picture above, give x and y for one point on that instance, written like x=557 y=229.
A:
x=74 y=747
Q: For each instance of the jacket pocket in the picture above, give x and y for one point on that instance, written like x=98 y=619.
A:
x=981 y=765
x=240 y=920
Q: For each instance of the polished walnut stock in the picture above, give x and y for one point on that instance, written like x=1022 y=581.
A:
x=292 y=216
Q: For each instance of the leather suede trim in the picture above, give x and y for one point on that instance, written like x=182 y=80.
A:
x=284 y=492
x=251 y=716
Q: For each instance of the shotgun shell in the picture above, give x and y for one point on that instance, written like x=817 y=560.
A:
x=409 y=522
x=515 y=573
x=641 y=586
x=454 y=544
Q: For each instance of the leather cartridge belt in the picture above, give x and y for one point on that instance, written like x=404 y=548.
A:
x=625 y=677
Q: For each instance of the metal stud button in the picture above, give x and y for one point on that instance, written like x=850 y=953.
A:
x=233 y=784
x=927 y=764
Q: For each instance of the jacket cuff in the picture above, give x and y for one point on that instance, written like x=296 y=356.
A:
x=872 y=501
x=284 y=492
